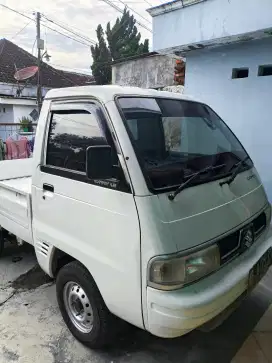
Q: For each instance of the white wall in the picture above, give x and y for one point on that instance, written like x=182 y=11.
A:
x=209 y=20
x=21 y=110
x=28 y=91
x=245 y=104
x=6 y=113
x=5 y=117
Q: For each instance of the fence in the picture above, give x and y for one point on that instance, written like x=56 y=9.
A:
x=15 y=130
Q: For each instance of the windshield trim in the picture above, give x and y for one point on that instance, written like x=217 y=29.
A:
x=173 y=187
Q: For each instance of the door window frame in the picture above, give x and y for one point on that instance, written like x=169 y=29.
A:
x=91 y=107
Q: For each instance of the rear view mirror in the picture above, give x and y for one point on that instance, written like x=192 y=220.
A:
x=99 y=162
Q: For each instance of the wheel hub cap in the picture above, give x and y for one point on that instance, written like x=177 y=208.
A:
x=78 y=307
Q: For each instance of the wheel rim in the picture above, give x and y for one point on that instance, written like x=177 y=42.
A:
x=78 y=307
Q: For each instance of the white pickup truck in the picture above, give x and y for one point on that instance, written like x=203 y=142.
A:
x=144 y=205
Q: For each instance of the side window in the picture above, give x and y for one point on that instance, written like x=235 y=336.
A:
x=70 y=134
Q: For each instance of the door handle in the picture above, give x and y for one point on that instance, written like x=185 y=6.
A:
x=48 y=188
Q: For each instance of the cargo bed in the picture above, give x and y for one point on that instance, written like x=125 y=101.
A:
x=15 y=198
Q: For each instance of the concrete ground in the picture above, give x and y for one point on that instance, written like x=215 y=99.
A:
x=32 y=330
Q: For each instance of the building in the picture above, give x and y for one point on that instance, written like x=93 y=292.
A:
x=228 y=50
x=149 y=70
x=19 y=99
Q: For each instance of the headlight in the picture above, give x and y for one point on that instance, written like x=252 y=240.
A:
x=173 y=273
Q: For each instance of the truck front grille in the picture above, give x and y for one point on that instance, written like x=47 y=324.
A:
x=230 y=246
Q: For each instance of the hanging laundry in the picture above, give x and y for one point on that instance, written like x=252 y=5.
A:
x=31 y=144
x=17 y=149
x=2 y=150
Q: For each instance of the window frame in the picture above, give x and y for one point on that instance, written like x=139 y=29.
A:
x=91 y=107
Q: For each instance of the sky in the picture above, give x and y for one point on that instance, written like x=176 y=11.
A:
x=81 y=15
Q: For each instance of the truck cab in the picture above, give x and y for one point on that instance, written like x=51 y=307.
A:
x=146 y=207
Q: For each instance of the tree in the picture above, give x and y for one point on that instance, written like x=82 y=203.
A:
x=101 y=66
x=123 y=40
x=172 y=131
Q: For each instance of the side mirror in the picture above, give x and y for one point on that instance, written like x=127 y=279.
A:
x=99 y=162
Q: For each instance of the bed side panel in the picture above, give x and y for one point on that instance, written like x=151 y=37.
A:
x=15 y=212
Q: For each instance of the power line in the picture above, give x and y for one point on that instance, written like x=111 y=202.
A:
x=148 y=3
x=72 y=68
x=121 y=11
x=122 y=2
x=59 y=72
x=33 y=46
x=65 y=35
x=128 y=2
x=54 y=69
x=20 y=31
x=67 y=25
x=55 y=30
x=70 y=30
x=17 y=12
x=45 y=37
x=77 y=34
x=84 y=38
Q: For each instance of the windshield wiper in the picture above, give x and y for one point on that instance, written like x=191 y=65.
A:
x=235 y=172
x=173 y=195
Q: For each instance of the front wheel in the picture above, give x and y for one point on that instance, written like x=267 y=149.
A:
x=82 y=306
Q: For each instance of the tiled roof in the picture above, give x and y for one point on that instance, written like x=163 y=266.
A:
x=12 y=56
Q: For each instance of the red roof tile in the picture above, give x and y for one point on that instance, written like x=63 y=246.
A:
x=12 y=56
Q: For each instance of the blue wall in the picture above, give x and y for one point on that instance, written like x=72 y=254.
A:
x=245 y=104
x=208 y=22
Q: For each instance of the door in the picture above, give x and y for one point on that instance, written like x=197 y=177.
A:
x=94 y=221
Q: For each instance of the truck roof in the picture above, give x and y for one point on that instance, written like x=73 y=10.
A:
x=108 y=93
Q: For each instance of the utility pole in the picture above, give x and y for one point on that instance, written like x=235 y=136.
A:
x=40 y=46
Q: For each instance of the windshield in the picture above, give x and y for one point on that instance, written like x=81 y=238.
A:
x=174 y=139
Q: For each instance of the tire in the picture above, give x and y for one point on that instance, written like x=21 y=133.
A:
x=79 y=300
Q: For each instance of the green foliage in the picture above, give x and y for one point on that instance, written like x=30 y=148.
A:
x=123 y=41
x=101 y=67
x=26 y=124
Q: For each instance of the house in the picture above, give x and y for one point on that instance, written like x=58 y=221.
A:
x=18 y=99
x=148 y=70
x=228 y=50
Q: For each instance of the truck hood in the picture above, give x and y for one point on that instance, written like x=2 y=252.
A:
x=199 y=213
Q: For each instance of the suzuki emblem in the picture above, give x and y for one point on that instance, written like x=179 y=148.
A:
x=248 y=238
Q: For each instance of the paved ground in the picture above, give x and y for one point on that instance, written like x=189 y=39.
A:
x=31 y=328
x=258 y=346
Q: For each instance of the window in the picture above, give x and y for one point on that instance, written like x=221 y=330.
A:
x=70 y=134
x=239 y=73
x=265 y=70
x=174 y=139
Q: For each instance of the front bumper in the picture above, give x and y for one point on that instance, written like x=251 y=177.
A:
x=174 y=313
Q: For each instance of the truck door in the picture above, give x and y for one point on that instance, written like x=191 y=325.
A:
x=94 y=221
